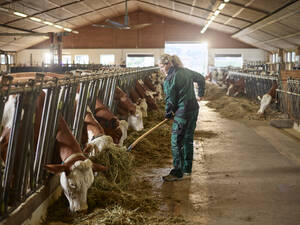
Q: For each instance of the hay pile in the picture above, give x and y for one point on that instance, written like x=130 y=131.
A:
x=154 y=149
x=120 y=195
x=235 y=107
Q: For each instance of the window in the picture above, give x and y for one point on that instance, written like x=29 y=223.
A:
x=225 y=60
x=10 y=59
x=2 y=59
x=107 y=59
x=194 y=55
x=139 y=60
x=293 y=56
x=48 y=58
x=82 y=59
x=66 y=59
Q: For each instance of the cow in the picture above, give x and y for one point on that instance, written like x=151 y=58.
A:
x=127 y=108
x=76 y=170
x=143 y=106
x=236 y=87
x=93 y=135
x=108 y=121
x=267 y=98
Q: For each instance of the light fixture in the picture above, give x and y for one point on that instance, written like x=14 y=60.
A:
x=68 y=29
x=48 y=23
x=20 y=14
x=58 y=26
x=75 y=32
x=35 y=19
x=221 y=6
x=217 y=12
x=226 y=0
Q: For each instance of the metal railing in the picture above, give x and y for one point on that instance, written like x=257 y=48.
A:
x=256 y=85
x=30 y=148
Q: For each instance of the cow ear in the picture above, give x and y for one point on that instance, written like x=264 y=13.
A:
x=56 y=168
x=97 y=167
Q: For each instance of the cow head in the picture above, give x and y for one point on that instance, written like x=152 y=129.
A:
x=98 y=144
x=136 y=121
x=75 y=180
x=143 y=106
x=124 y=127
x=264 y=103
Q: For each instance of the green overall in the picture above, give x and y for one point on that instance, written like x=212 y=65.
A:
x=182 y=103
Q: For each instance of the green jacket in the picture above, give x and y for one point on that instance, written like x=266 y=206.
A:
x=179 y=91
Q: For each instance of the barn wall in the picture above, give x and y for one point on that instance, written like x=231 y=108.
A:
x=162 y=29
x=23 y=57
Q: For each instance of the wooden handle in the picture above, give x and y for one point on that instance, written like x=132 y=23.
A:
x=145 y=134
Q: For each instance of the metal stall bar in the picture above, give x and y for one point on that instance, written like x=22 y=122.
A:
x=110 y=104
x=9 y=188
x=50 y=130
x=23 y=150
x=80 y=110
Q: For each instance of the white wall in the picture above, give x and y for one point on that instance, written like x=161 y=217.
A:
x=248 y=54
x=23 y=57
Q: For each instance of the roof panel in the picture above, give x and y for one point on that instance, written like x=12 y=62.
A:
x=205 y=4
x=26 y=24
x=294 y=40
x=78 y=8
x=279 y=29
x=249 y=14
x=269 y=5
x=261 y=36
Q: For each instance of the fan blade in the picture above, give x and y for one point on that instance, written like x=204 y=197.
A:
x=116 y=24
x=139 y=26
x=103 y=26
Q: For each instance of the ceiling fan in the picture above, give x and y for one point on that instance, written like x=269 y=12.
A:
x=125 y=26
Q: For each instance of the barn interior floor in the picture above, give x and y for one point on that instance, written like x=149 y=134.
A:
x=247 y=173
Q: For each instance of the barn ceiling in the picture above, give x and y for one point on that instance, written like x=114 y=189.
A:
x=266 y=24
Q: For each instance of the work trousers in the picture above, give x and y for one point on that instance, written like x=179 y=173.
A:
x=182 y=138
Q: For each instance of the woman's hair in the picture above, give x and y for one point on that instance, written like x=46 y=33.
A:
x=173 y=60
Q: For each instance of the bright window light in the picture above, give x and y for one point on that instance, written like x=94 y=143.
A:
x=66 y=59
x=225 y=60
x=82 y=59
x=194 y=55
x=212 y=18
x=35 y=19
x=139 y=60
x=20 y=14
x=47 y=58
x=221 y=6
x=107 y=59
x=226 y=0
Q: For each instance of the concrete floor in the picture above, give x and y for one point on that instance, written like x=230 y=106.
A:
x=249 y=173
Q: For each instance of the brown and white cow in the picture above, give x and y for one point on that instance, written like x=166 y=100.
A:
x=127 y=108
x=108 y=121
x=76 y=170
x=267 y=98
x=236 y=87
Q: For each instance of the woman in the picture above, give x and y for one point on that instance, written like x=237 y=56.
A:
x=182 y=105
